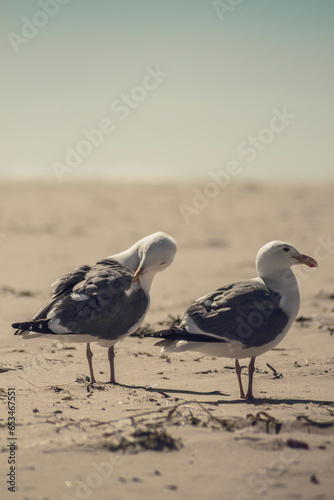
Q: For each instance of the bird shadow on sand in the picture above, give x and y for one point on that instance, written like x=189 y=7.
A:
x=256 y=401
x=272 y=401
x=167 y=391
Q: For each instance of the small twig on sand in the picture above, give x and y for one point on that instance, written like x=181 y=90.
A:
x=43 y=386
x=276 y=374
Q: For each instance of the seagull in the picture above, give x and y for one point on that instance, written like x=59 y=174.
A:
x=103 y=303
x=243 y=319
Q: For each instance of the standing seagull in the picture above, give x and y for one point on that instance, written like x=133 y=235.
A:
x=244 y=319
x=103 y=303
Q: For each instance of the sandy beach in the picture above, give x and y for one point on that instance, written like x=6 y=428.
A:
x=174 y=426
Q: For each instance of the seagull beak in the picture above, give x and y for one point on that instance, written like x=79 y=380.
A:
x=140 y=271
x=308 y=261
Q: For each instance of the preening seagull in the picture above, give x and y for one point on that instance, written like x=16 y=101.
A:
x=244 y=319
x=103 y=303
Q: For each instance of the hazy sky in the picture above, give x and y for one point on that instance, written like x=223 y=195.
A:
x=177 y=87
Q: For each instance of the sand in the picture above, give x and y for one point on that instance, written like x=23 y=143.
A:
x=175 y=426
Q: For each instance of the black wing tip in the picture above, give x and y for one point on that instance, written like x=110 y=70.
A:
x=18 y=327
x=166 y=334
x=158 y=334
x=177 y=333
x=40 y=326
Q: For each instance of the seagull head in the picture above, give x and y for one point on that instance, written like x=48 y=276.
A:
x=278 y=256
x=155 y=252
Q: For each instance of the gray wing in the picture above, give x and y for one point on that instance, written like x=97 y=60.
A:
x=64 y=285
x=106 y=304
x=246 y=312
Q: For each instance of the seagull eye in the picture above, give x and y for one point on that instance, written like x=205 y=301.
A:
x=162 y=263
x=286 y=249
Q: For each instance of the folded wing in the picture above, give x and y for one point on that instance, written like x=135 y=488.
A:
x=246 y=312
x=100 y=301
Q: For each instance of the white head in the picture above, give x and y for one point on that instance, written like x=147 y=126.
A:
x=155 y=252
x=277 y=256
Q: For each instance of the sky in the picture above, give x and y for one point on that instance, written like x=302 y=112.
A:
x=160 y=90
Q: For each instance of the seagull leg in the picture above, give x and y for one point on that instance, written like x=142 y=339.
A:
x=251 y=370
x=238 y=371
x=111 y=355
x=89 y=355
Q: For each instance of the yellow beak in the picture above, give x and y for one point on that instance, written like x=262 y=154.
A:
x=308 y=261
x=138 y=274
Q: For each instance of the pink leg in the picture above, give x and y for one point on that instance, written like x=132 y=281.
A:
x=238 y=371
x=251 y=370
x=89 y=355
x=111 y=356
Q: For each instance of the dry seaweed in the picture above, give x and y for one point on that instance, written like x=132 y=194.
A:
x=154 y=439
x=153 y=429
x=316 y=423
x=262 y=417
